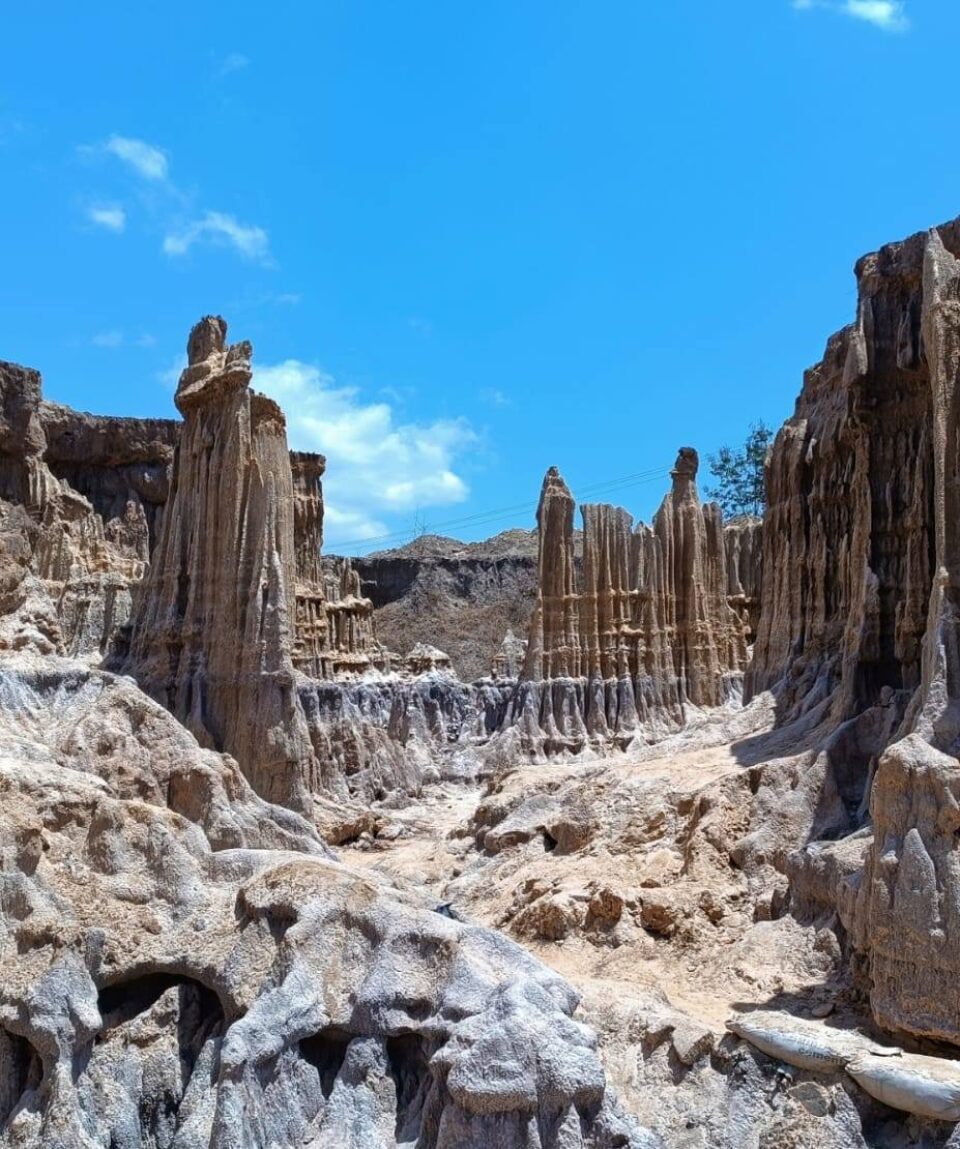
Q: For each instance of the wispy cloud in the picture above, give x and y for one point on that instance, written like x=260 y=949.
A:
x=183 y=225
x=111 y=218
x=145 y=159
x=888 y=15
x=169 y=377
x=495 y=397
x=217 y=227
x=234 y=62
x=377 y=465
x=115 y=338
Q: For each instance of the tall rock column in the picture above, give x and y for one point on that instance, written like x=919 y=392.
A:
x=706 y=636
x=554 y=646
x=650 y=630
x=213 y=634
x=310 y=639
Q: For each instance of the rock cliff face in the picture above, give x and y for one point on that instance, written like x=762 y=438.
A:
x=744 y=545
x=80 y=500
x=461 y=597
x=858 y=628
x=214 y=632
x=657 y=623
x=907 y=916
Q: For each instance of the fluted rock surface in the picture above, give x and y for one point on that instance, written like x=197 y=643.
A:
x=908 y=902
x=744 y=545
x=310 y=633
x=848 y=534
x=214 y=633
x=858 y=633
x=650 y=628
x=81 y=497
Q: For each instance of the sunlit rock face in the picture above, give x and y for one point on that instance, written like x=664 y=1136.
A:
x=213 y=637
x=657 y=623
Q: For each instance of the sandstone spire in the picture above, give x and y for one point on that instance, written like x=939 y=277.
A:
x=651 y=629
x=554 y=647
x=213 y=635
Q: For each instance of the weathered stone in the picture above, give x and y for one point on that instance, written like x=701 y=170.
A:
x=655 y=625
x=213 y=634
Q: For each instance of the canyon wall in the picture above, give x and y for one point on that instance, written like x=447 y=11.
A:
x=81 y=498
x=857 y=635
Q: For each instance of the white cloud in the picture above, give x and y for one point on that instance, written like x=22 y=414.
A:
x=145 y=159
x=234 y=62
x=889 y=15
x=250 y=241
x=172 y=208
x=375 y=465
x=170 y=376
x=111 y=218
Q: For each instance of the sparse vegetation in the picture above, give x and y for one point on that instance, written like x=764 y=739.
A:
x=738 y=473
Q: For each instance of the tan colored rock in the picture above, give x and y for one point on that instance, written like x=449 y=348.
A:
x=553 y=649
x=214 y=632
x=424 y=659
x=184 y=963
x=352 y=644
x=311 y=632
x=654 y=626
x=85 y=494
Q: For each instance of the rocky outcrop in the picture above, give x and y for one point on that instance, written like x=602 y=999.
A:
x=81 y=498
x=848 y=536
x=858 y=629
x=654 y=626
x=744 y=545
x=310 y=632
x=214 y=632
x=460 y=597
x=907 y=917
x=353 y=648
x=182 y=963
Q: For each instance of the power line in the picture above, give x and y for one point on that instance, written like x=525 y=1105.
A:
x=482 y=517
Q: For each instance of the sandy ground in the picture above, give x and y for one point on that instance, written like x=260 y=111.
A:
x=704 y=972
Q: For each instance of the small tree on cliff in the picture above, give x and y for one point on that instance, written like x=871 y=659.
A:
x=739 y=474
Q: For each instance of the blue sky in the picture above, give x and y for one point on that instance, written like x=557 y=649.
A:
x=467 y=241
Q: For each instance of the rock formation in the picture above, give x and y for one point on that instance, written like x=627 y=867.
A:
x=744 y=544
x=461 y=597
x=310 y=631
x=857 y=633
x=655 y=625
x=80 y=502
x=351 y=642
x=214 y=632
x=184 y=964
x=907 y=918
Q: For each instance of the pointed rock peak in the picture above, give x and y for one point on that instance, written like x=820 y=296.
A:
x=214 y=367
x=554 y=486
x=939 y=266
x=684 y=473
x=207 y=338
